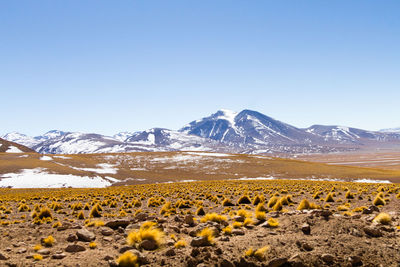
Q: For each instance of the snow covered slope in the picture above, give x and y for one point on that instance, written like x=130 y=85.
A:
x=224 y=131
x=11 y=147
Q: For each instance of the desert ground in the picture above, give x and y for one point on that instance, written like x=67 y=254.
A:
x=207 y=223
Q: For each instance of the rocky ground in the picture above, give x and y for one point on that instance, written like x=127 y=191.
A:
x=318 y=237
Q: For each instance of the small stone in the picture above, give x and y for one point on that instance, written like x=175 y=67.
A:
x=108 y=238
x=21 y=250
x=148 y=245
x=170 y=252
x=226 y=263
x=176 y=229
x=237 y=232
x=85 y=235
x=3 y=257
x=72 y=238
x=124 y=249
x=277 y=262
x=327 y=258
x=189 y=220
x=355 y=260
x=195 y=252
x=238 y=218
x=108 y=258
x=199 y=241
x=117 y=223
x=106 y=231
x=75 y=248
x=218 y=251
x=306 y=228
x=141 y=217
x=44 y=251
x=372 y=231
x=224 y=239
x=59 y=256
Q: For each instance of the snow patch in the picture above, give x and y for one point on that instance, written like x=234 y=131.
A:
x=372 y=181
x=13 y=149
x=103 y=169
x=209 y=154
x=46 y=158
x=39 y=178
x=256 y=178
x=61 y=157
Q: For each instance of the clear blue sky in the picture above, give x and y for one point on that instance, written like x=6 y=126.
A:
x=108 y=66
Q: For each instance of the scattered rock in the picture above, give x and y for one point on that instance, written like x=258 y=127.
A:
x=44 y=251
x=124 y=249
x=106 y=231
x=117 y=223
x=355 y=260
x=238 y=218
x=189 y=220
x=372 y=231
x=141 y=217
x=328 y=258
x=108 y=238
x=199 y=241
x=21 y=250
x=306 y=229
x=59 y=256
x=237 y=232
x=3 y=257
x=170 y=252
x=226 y=263
x=72 y=238
x=85 y=235
x=304 y=245
x=277 y=262
x=148 y=245
x=75 y=248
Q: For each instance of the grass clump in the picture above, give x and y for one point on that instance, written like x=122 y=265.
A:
x=259 y=254
x=128 y=259
x=48 y=241
x=92 y=245
x=213 y=217
x=379 y=200
x=227 y=230
x=383 y=218
x=37 y=257
x=95 y=212
x=329 y=198
x=200 y=211
x=306 y=205
x=227 y=203
x=209 y=234
x=147 y=231
x=260 y=215
x=273 y=223
x=244 y=200
x=180 y=243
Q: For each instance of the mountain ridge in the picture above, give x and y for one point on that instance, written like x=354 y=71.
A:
x=247 y=131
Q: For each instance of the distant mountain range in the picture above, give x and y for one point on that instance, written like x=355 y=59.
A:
x=224 y=131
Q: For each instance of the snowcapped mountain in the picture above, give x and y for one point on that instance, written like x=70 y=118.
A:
x=391 y=130
x=21 y=139
x=348 y=135
x=249 y=130
x=58 y=142
x=170 y=140
x=224 y=131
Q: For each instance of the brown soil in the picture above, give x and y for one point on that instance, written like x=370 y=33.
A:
x=336 y=238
